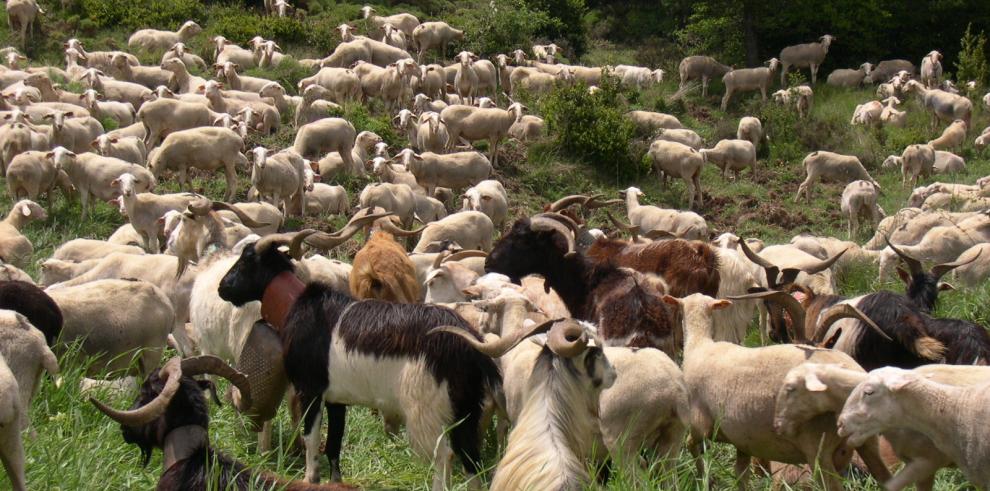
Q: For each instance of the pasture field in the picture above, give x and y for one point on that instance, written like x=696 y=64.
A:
x=71 y=446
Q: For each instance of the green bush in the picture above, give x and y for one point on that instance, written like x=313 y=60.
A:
x=240 y=26
x=363 y=120
x=137 y=14
x=288 y=73
x=591 y=128
x=498 y=27
x=972 y=63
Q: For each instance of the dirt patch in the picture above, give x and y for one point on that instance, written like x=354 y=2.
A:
x=774 y=214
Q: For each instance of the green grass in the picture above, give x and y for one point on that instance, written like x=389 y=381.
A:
x=72 y=447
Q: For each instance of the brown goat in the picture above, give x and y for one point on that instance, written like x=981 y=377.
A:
x=687 y=266
x=382 y=271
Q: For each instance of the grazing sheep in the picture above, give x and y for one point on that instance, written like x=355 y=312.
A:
x=21 y=16
x=931 y=70
x=314 y=107
x=453 y=170
x=733 y=391
x=326 y=135
x=748 y=79
x=129 y=149
x=382 y=271
x=207 y=148
x=343 y=84
x=894 y=398
x=916 y=160
x=953 y=136
x=434 y=35
x=23 y=348
x=887 y=69
x=848 y=78
x=681 y=224
x=638 y=77
x=700 y=67
x=333 y=164
x=179 y=51
x=31 y=174
x=406 y=23
x=859 y=199
x=281 y=177
x=672 y=159
x=528 y=128
x=731 y=155
x=890 y=115
x=805 y=55
x=11 y=413
x=473 y=124
x=324 y=198
x=432 y=134
x=943 y=105
x=867 y=113
x=149 y=77
x=751 y=130
x=832 y=166
x=153 y=41
x=948 y=163
x=472 y=230
x=685 y=136
x=163 y=116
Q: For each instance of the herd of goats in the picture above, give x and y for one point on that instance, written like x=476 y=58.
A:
x=584 y=348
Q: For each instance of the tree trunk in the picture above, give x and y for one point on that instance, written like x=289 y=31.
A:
x=751 y=43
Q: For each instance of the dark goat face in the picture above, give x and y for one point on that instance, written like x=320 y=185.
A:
x=524 y=251
x=250 y=275
x=922 y=288
x=187 y=407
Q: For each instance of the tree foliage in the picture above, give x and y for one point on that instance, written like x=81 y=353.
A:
x=972 y=63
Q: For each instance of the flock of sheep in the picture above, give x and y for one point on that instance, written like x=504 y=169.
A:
x=569 y=337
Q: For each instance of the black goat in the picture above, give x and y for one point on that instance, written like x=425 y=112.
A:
x=32 y=302
x=372 y=353
x=171 y=413
x=626 y=305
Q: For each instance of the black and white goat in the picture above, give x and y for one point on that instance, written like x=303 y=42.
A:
x=377 y=354
x=171 y=413
x=554 y=434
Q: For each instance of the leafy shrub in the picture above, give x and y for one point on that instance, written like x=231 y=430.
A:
x=135 y=14
x=363 y=120
x=240 y=26
x=591 y=127
x=288 y=73
x=972 y=63
x=500 y=26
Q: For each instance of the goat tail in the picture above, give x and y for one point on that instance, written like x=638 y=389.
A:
x=929 y=348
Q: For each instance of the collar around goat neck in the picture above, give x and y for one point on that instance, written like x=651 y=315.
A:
x=279 y=297
x=181 y=442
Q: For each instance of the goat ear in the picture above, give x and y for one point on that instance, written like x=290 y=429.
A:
x=944 y=286
x=903 y=275
x=669 y=300
x=813 y=384
x=830 y=342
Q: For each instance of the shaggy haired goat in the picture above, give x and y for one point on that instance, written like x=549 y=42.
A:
x=32 y=302
x=384 y=272
x=170 y=413
x=340 y=352
x=625 y=304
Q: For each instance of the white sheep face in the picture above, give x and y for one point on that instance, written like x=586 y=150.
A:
x=872 y=406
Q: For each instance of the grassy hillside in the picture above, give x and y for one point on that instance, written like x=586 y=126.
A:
x=73 y=447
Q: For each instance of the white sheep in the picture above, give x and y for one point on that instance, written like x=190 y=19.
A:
x=394 y=36
x=953 y=136
x=890 y=115
x=700 y=67
x=145 y=209
x=183 y=80
x=490 y=198
x=280 y=176
x=180 y=52
x=747 y=79
x=434 y=35
x=456 y=171
x=31 y=174
x=528 y=128
x=638 y=77
x=931 y=69
x=15 y=248
x=472 y=230
x=122 y=112
x=682 y=224
x=848 y=78
x=405 y=22
x=324 y=198
x=832 y=166
x=314 y=107
x=893 y=398
x=681 y=135
x=867 y=113
x=73 y=133
x=649 y=122
x=473 y=124
x=163 y=116
x=805 y=55
x=859 y=199
x=679 y=160
x=153 y=41
x=343 y=84
x=916 y=160
x=731 y=155
x=948 y=163
x=396 y=199
x=465 y=79
x=326 y=135
x=431 y=133
x=149 y=77
x=129 y=149
x=21 y=16
x=92 y=175
x=333 y=164
x=12 y=412
x=208 y=148
x=943 y=105
x=224 y=51
x=750 y=129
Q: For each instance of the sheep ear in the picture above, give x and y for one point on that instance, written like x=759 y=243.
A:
x=720 y=304
x=814 y=384
x=26 y=210
x=669 y=300
x=49 y=155
x=115 y=183
x=898 y=380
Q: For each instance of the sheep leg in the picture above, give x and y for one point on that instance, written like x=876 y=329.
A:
x=494 y=145
x=84 y=202
x=689 y=182
x=920 y=472
x=697 y=185
x=726 y=97
x=814 y=73
x=336 y=419
x=231 y=175
x=704 y=87
x=742 y=469
x=12 y=455
x=870 y=453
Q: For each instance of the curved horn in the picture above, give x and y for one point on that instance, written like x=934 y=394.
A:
x=593 y=203
x=243 y=217
x=567 y=201
x=200 y=206
x=843 y=311
x=172 y=374
x=564 y=219
x=913 y=264
x=438 y=260
x=567 y=339
x=752 y=256
x=659 y=234
x=325 y=241
x=789 y=303
x=822 y=266
x=940 y=270
x=500 y=346
x=394 y=229
x=293 y=239
x=630 y=229
x=207 y=364
x=538 y=223
x=457 y=256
